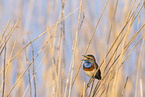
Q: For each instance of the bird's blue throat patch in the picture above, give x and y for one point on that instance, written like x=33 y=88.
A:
x=87 y=64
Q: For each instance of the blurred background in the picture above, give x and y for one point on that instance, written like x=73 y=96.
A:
x=37 y=47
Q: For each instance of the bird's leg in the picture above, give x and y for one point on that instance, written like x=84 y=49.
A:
x=89 y=81
x=88 y=85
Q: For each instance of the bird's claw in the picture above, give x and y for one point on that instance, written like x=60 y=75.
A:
x=88 y=85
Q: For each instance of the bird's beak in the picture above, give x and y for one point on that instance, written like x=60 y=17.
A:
x=85 y=58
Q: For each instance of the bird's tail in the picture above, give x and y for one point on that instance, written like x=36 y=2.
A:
x=98 y=75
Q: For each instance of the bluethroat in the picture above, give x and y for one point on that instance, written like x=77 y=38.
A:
x=90 y=66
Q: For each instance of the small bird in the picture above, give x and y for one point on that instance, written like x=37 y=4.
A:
x=90 y=66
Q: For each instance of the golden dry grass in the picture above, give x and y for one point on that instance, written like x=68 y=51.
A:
x=42 y=43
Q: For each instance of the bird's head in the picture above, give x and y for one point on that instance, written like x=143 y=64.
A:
x=89 y=58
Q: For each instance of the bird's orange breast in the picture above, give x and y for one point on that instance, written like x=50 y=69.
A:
x=89 y=69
